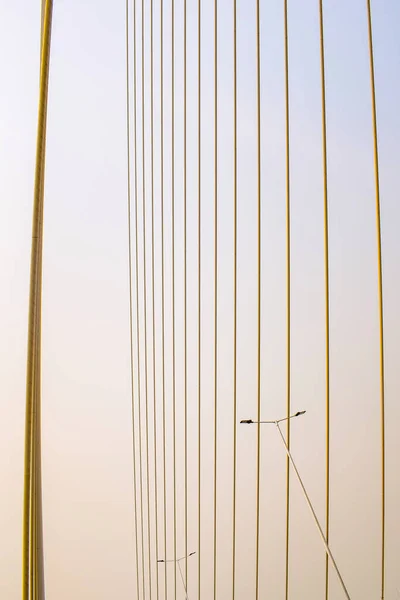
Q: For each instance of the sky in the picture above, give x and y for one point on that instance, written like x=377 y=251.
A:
x=88 y=487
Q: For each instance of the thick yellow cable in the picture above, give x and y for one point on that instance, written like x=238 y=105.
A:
x=215 y=283
x=288 y=312
x=380 y=296
x=326 y=260
x=152 y=288
x=131 y=358
x=258 y=300
x=235 y=161
x=33 y=362
x=137 y=299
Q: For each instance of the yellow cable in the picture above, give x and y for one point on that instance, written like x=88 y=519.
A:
x=173 y=273
x=258 y=301
x=185 y=271
x=163 y=286
x=152 y=288
x=288 y=313
x=380 y=295
x=215 y=283
x=234 y=298
x=137 y=300
x=145 y=305
x=199 y=291
x=326 y=260
x=131 y=358
x=33 y=364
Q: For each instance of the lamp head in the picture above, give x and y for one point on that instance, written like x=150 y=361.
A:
x=301 y=412
x=247 y=421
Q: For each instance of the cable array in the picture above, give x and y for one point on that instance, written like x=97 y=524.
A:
x=156 y=536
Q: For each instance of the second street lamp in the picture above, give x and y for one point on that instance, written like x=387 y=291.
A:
x=325 y=542
x=177 y=562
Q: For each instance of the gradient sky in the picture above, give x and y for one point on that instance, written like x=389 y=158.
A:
x=87 y=448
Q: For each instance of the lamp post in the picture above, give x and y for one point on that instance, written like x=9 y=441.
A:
x=325 y=542
x=177 y=561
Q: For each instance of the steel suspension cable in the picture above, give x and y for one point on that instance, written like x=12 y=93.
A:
x=137 y=301
x=173 y=271
x=288 y=294
x=152 y=288
x=38 y=516
x=131 y=358
x=235 y=161
x=199 y=289
x=163 y=285
x=32 y=473
x=258 y=300
x=326 y=268
x=215 y=283
x=380 y=296
x=145 y=300
x=185 y=274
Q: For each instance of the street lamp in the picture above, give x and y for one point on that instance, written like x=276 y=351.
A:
x=177 y=561
x=276 y=423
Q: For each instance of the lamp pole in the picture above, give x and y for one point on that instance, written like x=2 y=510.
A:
x=177 y=562
x=310 y=506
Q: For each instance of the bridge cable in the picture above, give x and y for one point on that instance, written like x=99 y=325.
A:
x=215 y=283
x=137 y=303
x=128 y=121
x=380 y=296
x=143 y=113
x=235 y=261
x=199 y=289
x=185 y=274
x=258 y=297
x=32 y=563
x=152 y=287
x=173 y=272
x=163 y=285
x=288 y=292
x=327 y=321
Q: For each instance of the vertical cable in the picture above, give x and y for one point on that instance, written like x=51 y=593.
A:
x=288 y=332
x=215 y=283
x=33 y=507
x=185 y=274
x=380 y=294
x=145 y=305
x=32 y=474
x=199 y=290
x=163 y=286
x=152 y=288
x=258 y=300
x=173 y=271
x=38 y=516
x=234 y=298
x=128 y=148
x=326 y=257
x=137 y=299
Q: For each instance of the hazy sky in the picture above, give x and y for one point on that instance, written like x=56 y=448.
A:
x=88 y=498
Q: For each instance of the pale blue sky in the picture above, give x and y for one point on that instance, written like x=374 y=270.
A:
x=87 y=466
